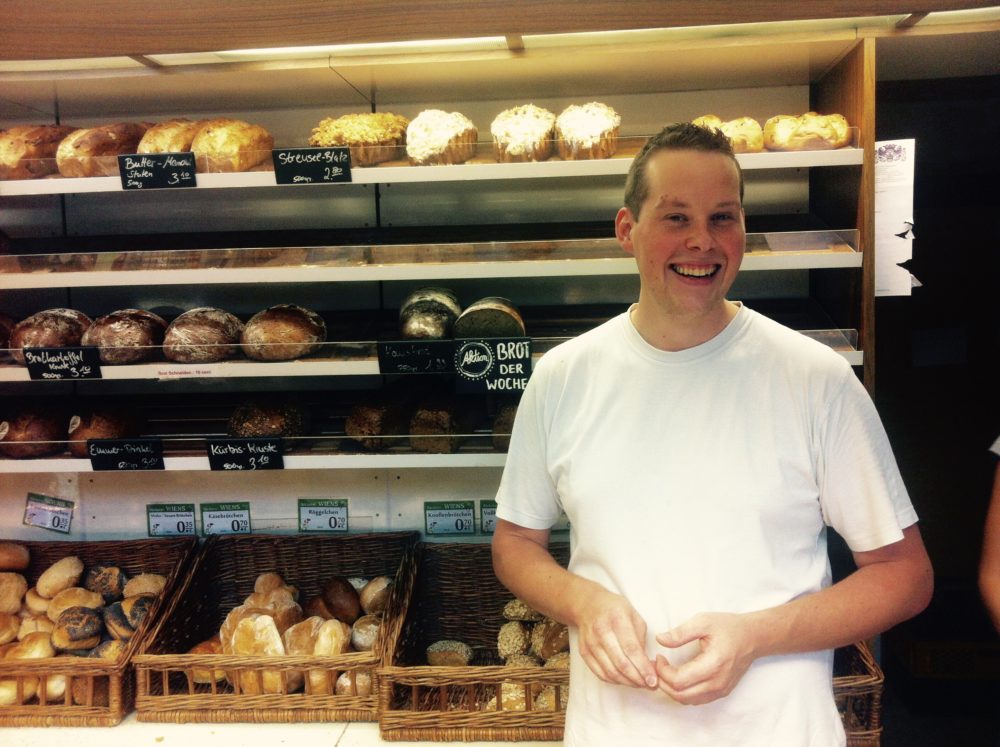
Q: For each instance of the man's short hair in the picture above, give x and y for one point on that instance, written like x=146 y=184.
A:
x=677 y=136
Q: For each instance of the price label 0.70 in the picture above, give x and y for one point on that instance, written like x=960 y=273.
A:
x=225 y=518
x=170 y=519
x=46 y=512
x=449 y=517
x=322 y=514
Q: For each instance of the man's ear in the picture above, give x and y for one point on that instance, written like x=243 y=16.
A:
x=624 y=222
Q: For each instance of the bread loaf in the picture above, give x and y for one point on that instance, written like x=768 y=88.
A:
x=126 y=336
x=586 y=132
x=373 y=137
x=364 y=632
x=172 y=136
x=282 y=333
x=374 y=596
x=29 y=152
x=202 y=676
x=144 y=583
x=286 y=419
x=514 y=637
x=342 y=599
x=94 y=151
x=51 y=328
x=256 y=635
x=100 y=423
x=227 y=145
x=202 y=335
x=549 y=638
x=13 y=556
x=436 y=137
x=810 y=131
x=355 y=682
x=515 y=609
x=31 y=432
x=523 y=133
x=440 y=424
x=429 y=314
x=333 y=639
x=34 y=646
x=378 y=423
x=492 y=316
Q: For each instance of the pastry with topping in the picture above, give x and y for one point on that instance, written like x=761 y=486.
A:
x=436 y=137
x=587 y=132
x=373 y=137
x=524 y=133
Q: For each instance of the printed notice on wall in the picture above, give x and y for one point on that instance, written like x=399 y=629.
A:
x=894 y=221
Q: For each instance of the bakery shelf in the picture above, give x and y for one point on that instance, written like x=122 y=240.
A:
x=476 y=170
x=559 y=258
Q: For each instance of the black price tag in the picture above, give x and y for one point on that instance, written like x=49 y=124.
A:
x=53 y=364
x=125 y=454
x=311 y=165
x=492 y=365
x=232 y=454
x=416 y=356
x=157 y=171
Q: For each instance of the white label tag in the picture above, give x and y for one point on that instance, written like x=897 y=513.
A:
x=449 y=517
x=170 y=519
x=46 y=512
x=225 y=518
x=322 y=515
x=488 y=516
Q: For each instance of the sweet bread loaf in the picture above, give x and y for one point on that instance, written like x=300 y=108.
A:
x=436 y=137
x=126 y=336
x=29 y=152
x=586 y=132
x=744 y=133
x=372 y=137
x=283 y=333
x=51 y=328
x=523 y=133
x=810 y=131
x=172 y=136
x=227 y=145
x=94 y=151
x=202 y=335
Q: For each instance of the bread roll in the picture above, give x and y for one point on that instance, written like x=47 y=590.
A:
x=449 y=653
x=342 y=599
x=51 y=328
x=355 y=682
x=266 y=582
x=77 y=628
x=316 y=606
x=116 y=622
x=29 y=151
x=109 y=650
x=522 y=660
x=300 y=638
x=514 y=637
x=546 y=700
x=172 y=136
x=202 y=676
x=62 y=574
x=93 y=691
x=810 y=131
x=428 y=314
x=332 y=639
x=512 y=698
x=364 y=632
x=515 y=609
x=94 y=151
x=202 y=335
x=10 y=624
x=100 y=422
x=75 y=596
x=30 y=433
x=34 y=624
x=35 y=603
x=744 y=133
x=13 y=556
x=144 y=583
x=34 y=646
x=233 y=618
x=549 y=638
x=226 y=145
x=282 y=333
x=106 y=580
x=126 y=336
x=137 y=608
x=374 y=596
x=12 y=589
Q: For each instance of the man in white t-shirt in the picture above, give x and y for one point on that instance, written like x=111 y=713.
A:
x=699 y=451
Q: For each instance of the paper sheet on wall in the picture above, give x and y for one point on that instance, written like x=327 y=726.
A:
x=894 y=224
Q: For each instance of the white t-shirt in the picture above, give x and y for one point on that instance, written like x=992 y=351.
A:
x=702 y=480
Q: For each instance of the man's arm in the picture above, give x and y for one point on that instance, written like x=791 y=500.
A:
x=891 y=584
x=610 y=633
x=989 y=562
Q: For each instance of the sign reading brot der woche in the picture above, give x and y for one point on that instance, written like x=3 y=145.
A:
x=493 y=364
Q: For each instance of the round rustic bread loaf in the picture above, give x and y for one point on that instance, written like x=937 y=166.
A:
x=262 y=419
x=492 y=316
x=126 y=336
x=100 y=423
x=51 y=328
x=428 y=313
x=283 y=333
x=202 y=335
x=374 y=595
x=32 y=432
x=364 y=632
x=342 y=599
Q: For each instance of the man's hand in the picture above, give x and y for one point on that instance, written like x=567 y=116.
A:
x=726 y=654
x=611 y=639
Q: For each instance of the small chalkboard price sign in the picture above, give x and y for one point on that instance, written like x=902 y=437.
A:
x=311 y=165
x=53 y=364
x=234 y=454
x=492 y=364
x=416 y=356
x=125 y=455
x=157 y=171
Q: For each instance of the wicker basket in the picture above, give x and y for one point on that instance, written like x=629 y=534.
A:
x=220 y=578
x=107 y=687
x=456 y=595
